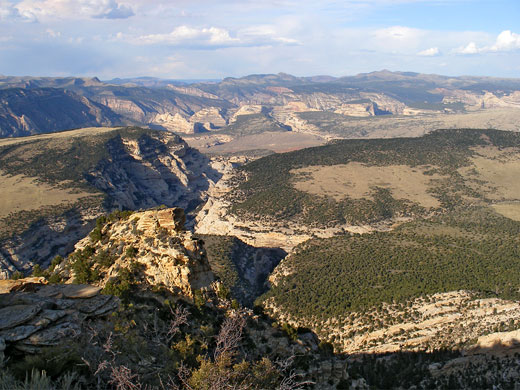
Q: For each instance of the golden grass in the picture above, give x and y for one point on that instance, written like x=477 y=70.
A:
x=19 y=193
x=59 y=135
x=509 y=210
x=495 y=173
x=356 y=180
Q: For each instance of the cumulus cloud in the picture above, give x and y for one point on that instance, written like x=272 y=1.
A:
x=431 y=52
x=470 y=48
x=505 y=41
x=212 y=37
x=50 y=9
x=8 y=11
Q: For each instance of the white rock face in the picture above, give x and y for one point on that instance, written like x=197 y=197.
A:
x=356 y=109
x=246 y=109
x=176 y=123
x=442 y=320
x=170 y=256
x=209 y=118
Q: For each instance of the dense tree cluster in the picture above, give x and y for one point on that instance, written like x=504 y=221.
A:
x=474 y=249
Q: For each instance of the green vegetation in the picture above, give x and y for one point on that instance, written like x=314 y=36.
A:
x=63 y=161
x=473 y=249
x=220 y=257
x=440 y=106
x=234 y=262
x=88 y=264
x=157 y=341
x=17 y=223
x=268 y=191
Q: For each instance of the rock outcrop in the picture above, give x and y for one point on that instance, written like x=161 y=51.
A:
x=156 y=243
x=208 y=118
x=34 y=315
x=356 y=109
x=153 y=170
x=176 y=123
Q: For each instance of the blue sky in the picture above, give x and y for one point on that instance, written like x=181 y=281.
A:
x=213 y=39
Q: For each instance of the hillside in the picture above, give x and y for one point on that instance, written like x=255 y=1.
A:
x=54 y=186
x=145 y=319
x=155 y=323
x=434 y=267
x=357 y=182
x=252 y=111
x=42 y=110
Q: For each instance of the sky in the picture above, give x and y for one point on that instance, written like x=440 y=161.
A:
x=211 y=39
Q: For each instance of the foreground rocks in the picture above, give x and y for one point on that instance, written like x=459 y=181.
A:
x=35 y=315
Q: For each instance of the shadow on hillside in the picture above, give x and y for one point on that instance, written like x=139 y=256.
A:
x=44 y=239
x=141 y=184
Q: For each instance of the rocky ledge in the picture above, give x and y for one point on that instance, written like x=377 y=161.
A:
x=35 y=315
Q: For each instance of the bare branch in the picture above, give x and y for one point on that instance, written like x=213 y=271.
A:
x=230 y=335
x=291 y=380
x=180 y=317
x=123 y=379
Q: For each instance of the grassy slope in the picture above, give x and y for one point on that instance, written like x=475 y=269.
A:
x=467 y=245
x=59 y=161
x=268 y=191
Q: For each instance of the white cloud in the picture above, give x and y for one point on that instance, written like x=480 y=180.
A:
x=63 y=9
x=52 y=33
x=505 y=41
x=212 y=36
x=194 y=37
x=431 y=52
x=470 y=48
x=9 y=11
x=264 y=34
x=398 y=38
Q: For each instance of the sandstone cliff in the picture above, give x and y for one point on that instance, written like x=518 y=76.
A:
x=153 y=243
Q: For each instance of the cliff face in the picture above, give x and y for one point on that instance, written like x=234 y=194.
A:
x=126 y=169
x=153 y=170
x=42 y=110
x=156 y=243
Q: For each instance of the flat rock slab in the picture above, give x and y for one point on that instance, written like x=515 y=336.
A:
x=23 y=298
x=18 y=333
x=12 y=316
x=108 y=307
x=91 y=305
x=45 y=317
x=54 y=335
x=70 y=291
x=74 y=291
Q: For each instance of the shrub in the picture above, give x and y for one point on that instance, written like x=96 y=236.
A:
x=16 y=275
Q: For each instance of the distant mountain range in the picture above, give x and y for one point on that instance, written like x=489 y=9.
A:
x=33 y=105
